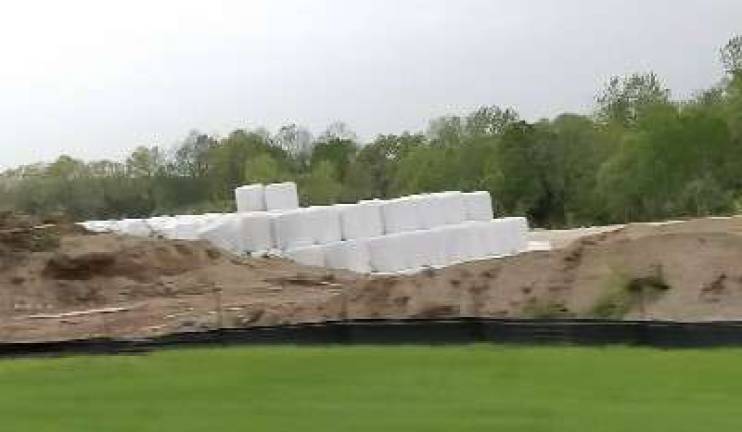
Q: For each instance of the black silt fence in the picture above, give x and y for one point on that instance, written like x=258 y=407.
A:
x=661 y=334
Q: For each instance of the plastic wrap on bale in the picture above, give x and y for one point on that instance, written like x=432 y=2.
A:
x=362 y=220
x=250 y=198
x=352 y=255
x=478 y=206
x=399 y=215
x=311 y=255
x=324 y=224
x=281 y=196
x=223 y=232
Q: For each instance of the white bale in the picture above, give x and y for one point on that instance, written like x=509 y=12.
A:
x=324 y=224
x=505 y=236
x=134 y=227
x=362 y=220
x=430 y=211
x=477 y=233
x=255 y=232
x=436 y=243
x=517 y=239
x=293 y=228
x=399 y=215
x=387 y=253
x=281 y=196
x=451 y=205
x=186 y=227
x=223 y=232
x=462 y=243
x=98 y=226
x=418 y=249
x=350 y=255
x=313 y=255
x=478 y=206
x=492 y=238
x=115 y=226
x=158 y=224
x=166 y=227
x=250 y=198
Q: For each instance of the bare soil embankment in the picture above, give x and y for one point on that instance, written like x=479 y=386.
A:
x=59 y=282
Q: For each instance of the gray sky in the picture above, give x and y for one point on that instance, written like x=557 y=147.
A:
x=95 y=79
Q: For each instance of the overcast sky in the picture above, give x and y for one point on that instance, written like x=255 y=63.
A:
x=96 y=79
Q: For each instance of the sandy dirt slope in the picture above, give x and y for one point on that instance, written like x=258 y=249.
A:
x=58 y=282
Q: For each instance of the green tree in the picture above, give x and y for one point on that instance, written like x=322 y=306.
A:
x=731 y=56
x=321 y=186
x=263 y=169
x=624 y=98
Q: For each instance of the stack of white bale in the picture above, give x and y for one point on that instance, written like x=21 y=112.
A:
x=185 y=227
x=222 y=231
x=250 y=198
x=267 y=216
x=353 y=255
x=385 y=236
x=256 y=232
x=362 y=220
x=452 y=227
x=98 y=226
x=281 y=196
x=399 y=215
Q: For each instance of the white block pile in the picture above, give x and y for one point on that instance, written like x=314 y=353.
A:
x=255 y=230
x=350 y=255
x=281 y=196
x=221 y=230
x=399 y=215
x=250 y=198
x=362 y=220
x=385 y=236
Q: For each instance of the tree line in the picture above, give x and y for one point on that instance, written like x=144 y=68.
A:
x=641 y=155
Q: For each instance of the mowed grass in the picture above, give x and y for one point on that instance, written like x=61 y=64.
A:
x=475 y=388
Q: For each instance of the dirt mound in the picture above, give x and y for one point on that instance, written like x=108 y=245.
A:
x=140 y=261
x=86 y=285
x=682 y=271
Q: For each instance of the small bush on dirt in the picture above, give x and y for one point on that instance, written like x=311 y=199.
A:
x=623 y=294
x=43 y=240
x=536 y=308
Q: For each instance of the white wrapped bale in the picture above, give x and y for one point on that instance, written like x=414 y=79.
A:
x=350 y=255
x=505 y=236
x=399 y=215
x=281 y=196
x=360 y=221
x=478 y=206
x=430 y=211
x=313 y=255
x=462 y=243
x=255 y=232
x=293 y=228
x=492 y=238
x=250 y=198
x=387 y=253
x=436 y=241
x=186 y=227
x=134 y=227
x=421 y=249
x=324 y=224
x=517 y=240
x=451 y=204
x=223 y=232
x=166 y=227
x=98 y=226
x=159 y=224
x=477 y=233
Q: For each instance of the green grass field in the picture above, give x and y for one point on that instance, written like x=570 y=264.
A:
x=479 y=388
